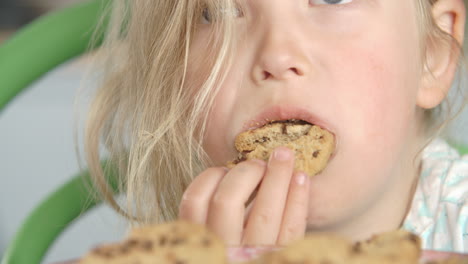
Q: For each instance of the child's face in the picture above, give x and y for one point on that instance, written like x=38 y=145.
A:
x=352 y=68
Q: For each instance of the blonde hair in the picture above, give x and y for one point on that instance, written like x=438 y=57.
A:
x=147 y=118
x=143 y=112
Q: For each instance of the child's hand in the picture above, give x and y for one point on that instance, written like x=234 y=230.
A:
x=277 y=215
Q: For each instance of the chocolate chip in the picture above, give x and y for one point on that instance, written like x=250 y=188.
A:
x=284 y=129
x=261 y=140
x=147 y=245
x=316 y=153
x=206 y=242
x=132 y=243
x=162 y=241
x=99 y=251
x=356 y=248
x=110 y=253
x=107 y=254
x=239 y=160
x=177 y=241
x=178 y=261
x=414 y=238
x=124 y=249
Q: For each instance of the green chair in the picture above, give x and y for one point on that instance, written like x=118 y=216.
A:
x=462 y=149
x=32 y=52
x=56 y=38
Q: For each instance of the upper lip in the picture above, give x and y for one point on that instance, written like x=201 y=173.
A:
x=278 y=112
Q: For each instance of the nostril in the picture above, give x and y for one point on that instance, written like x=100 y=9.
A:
x=279 y=72
x=296 y=71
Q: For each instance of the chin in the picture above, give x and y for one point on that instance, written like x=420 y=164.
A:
x=323 y=219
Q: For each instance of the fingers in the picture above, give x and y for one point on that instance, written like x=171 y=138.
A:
x=195 y=201
x=277 y=215
x=265 y=218
x=294 y=222
x=227 y=207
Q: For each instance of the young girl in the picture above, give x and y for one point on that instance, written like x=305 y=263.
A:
x=183 y=78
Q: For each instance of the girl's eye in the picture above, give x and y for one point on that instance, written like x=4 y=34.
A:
x=207 y=17
x=329 y=2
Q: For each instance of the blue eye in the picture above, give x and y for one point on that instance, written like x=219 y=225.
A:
x=329 y=2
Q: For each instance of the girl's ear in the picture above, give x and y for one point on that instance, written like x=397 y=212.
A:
x=441 y=55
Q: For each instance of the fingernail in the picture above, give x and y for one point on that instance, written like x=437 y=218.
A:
x=282 y=153
x=301 y=178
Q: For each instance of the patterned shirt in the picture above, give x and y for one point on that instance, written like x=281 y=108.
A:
x=439 y=211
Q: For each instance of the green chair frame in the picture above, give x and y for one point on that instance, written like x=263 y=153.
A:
x=32 y=52
x=463 y=150
x=52 y=40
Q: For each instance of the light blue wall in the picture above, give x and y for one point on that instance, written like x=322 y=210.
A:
x=37 y=155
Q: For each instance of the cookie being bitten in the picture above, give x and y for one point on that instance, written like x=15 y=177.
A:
x=312 y=145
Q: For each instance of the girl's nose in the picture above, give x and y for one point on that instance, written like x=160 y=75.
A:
x=279 y=58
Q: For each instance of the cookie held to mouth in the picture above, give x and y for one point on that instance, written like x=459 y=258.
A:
x=312 y=145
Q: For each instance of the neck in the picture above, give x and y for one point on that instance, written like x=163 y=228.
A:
x=387 y=215
x=390 y=211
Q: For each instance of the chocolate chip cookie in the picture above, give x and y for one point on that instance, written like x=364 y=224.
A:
x=312 y=145
x=171 y=243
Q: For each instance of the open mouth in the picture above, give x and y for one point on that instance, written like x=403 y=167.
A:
x=281 y=131
x=290 y=121
x=312 y=145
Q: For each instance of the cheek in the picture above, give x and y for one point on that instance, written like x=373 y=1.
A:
x=226 y=117
x=374 y=95
x=379 y=76
x=375 y=109
x=382 y=102
x=379 y=98
x=198 y=71
x=222 y=119
x=216 y=141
